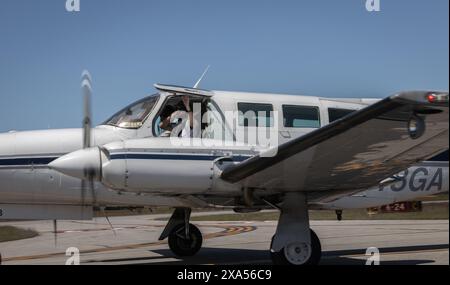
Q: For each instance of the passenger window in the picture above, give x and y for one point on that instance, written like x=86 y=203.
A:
x=301 y=116
x=335 y=114
x=255 y=115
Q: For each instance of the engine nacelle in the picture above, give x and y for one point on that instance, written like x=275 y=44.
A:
x=157 y=173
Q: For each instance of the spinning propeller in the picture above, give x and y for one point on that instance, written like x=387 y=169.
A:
x=89 y=172
x=89 y=157
x=86 y=164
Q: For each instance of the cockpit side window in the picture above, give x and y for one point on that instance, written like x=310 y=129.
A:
x=206 y=115
x=134 y=115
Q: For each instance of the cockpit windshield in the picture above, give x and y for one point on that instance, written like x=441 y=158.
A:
x=133 y=116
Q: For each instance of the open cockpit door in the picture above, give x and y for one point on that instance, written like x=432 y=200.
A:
x=180 y=90
x=173 y=101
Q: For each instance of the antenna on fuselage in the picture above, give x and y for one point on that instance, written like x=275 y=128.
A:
x=197 y=84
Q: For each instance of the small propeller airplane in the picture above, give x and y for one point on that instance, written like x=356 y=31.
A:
x=329 y=154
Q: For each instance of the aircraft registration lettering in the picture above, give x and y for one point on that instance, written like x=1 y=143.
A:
x=414 y=183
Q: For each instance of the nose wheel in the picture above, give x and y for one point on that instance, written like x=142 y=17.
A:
x=184 y=242
x=184 y=238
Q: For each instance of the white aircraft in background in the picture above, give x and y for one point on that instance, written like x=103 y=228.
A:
x=331 y=154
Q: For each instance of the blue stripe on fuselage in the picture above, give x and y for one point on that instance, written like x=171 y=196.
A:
x=30 y=161
x=26 y=161
x=173 y=156
x=34 y=161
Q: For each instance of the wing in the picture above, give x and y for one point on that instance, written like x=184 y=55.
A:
x=355 y=152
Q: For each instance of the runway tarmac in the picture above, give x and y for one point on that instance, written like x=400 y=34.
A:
x=135 y=241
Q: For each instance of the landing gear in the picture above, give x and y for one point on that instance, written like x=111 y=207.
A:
x=294 y=243
x=185 y=245
x=185 y=239
x=339 y=215
x=297 y=254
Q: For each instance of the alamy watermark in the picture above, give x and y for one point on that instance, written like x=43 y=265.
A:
x=73 y=5
x=74 y=256
x=373 y=5
x=196 y=125
x=373 y=254
x=209 y=129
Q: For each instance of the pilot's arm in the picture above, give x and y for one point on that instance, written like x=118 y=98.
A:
x=165 y=124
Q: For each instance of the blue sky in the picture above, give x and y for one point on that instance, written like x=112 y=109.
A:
x=312 y=47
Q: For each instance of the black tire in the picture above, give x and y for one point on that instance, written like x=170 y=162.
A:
x=278 y=258
x=182 y=246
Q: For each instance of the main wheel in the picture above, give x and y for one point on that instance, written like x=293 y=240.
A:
x=299 y=253
x=182 y=245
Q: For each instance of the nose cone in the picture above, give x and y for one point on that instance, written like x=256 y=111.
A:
x=83 y=164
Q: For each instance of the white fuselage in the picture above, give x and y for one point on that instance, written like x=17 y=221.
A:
x=26 y=179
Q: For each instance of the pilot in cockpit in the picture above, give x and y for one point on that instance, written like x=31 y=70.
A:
x=171 y=117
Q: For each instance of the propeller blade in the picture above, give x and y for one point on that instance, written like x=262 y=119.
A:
x=55 y=232
x=83 y=193
x=86 y=87
x=92 y=188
